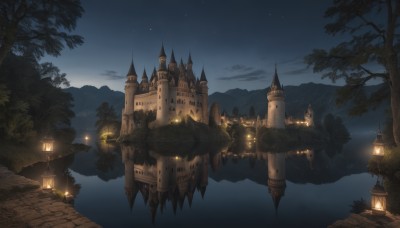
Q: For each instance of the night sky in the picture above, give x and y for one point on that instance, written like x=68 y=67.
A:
x=238 y=42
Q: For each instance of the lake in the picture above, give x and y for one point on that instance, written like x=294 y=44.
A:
x=125 y=186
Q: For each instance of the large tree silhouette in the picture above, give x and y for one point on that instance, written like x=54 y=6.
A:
x=371 y=52
x=36 y=27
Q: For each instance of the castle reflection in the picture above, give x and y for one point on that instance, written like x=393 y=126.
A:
x=169 y=179
x=172 y=179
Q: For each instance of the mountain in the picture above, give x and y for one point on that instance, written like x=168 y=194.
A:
x=321 y=97
x=86 y=101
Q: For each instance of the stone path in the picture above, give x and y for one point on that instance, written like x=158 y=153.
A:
x=24 y=204
x=366 y=219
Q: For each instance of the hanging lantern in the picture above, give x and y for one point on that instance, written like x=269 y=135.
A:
x=48 y=144
x=48 y=181
x=378 y=199
x=379 y=146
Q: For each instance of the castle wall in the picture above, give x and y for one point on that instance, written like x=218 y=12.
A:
x=146 y=102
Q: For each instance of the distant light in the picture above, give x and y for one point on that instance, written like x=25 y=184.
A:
x=86 y=138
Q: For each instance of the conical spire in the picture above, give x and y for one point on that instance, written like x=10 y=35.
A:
x=172 y=57
x=162 y=52
x=132 y=70
x=190 y=62
x=276 y=85
x=203 y=76
x=144 y=76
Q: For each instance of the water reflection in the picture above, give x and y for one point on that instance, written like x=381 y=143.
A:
x=240 y=182
x=166 y=179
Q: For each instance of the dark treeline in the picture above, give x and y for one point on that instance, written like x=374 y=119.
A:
x=32 y=103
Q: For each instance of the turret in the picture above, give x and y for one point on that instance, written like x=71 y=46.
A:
x=131 y=188
x=162 y=91
x=190 y=62
x=276 y=104
x=172 y=62
x=204 y=95
x=144 y=84
x=131 y=85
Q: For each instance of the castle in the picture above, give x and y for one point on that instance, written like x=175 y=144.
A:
x=172 y=92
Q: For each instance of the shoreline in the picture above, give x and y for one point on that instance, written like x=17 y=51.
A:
x=367 y=219
x=24 y=204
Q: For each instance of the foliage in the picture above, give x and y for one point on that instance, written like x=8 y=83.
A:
x=235 y=111
x=36 y=27
x=252 y=112
x=392 y=186
x=143 y=118
x=107 y=124
x=389 y=165
x=359 y=206
x=34 y=105
x=371 y=53
x=335 y=129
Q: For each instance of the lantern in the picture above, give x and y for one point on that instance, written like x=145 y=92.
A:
x=379 y=146
x=47 y=144
x=48 y=181
x=378 y=199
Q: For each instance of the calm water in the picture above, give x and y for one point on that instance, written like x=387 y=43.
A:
x=125 y=186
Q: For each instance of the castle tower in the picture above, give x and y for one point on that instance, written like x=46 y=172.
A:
x=131 y=189
x=276 y=104
x=144 y=84
x=204 y=93
x=162 y=90
x=131 y=85
x=276 y=176
x=309 y=116
x=172 y=62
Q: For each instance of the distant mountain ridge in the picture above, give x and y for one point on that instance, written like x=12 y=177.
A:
x=320 y=96
x=86 y=101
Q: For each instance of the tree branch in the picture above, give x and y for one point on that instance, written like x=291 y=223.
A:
x=381 y=32
x=371 y=74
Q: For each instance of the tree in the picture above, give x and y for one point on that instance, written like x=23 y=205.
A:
x=107 y=121
x=36 y=27
x=235 y=111
x=252 y=112
x=372 y=52
x=30 y=104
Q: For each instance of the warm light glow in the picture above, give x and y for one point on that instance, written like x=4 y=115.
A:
x=248 y=136
x=48 y=182
x=86 y=138
x=66 y=193
x=378 y=206
x=177 y=158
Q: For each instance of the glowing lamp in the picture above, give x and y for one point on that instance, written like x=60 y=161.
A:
x=48 y=181
x=47 y=144
x=86 y=138
x=378 y=199
x=379 y=146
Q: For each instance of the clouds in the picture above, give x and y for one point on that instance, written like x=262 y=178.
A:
x=112 y=75
x=297 y=71
x=243 y=73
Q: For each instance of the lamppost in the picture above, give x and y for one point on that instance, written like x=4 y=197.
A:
x=379 y=146
x=378 y=199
